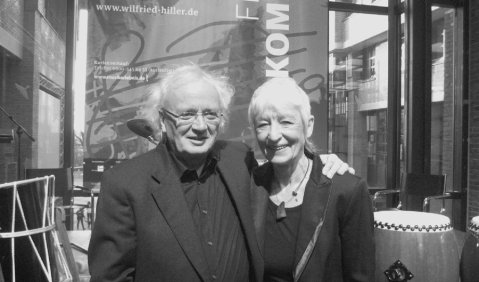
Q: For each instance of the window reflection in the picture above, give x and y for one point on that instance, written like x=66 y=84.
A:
x=49 y=131
x=383 y=3
x=358 y=92
x=442 y=91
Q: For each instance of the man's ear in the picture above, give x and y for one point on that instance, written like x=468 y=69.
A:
x=310 y=126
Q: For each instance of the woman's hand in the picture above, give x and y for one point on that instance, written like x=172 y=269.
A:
x=333 y=164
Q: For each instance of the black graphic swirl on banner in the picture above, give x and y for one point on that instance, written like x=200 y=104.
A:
x=105 y=98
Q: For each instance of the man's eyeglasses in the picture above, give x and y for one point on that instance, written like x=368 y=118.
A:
x=187 y=118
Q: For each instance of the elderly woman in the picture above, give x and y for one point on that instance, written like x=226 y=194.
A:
x=310 y=228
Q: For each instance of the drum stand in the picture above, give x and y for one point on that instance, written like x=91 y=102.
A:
x=47 y=225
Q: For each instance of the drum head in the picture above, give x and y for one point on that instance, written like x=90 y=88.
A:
x=411 y=221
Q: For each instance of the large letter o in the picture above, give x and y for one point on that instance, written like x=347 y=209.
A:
x=277 y=37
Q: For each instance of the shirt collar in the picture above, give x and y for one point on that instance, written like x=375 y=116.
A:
x=187 y=175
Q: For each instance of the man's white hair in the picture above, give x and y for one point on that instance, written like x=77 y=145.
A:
x=159 y=92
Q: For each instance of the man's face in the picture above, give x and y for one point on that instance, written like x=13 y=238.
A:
x=192 y=140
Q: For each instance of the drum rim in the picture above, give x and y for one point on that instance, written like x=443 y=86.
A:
x=386 y=223
x=414 y=228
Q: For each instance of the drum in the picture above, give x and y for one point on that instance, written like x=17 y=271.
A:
x=415 y=246
x=470 y=253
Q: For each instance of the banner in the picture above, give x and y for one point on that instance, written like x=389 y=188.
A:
x=133 y=44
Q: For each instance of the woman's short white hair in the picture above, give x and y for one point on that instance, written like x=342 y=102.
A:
x=282 y=89
x=180 y=76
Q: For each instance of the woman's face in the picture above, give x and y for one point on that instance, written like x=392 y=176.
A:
x=281 y=132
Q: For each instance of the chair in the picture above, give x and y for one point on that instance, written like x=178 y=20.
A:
x=418 y=191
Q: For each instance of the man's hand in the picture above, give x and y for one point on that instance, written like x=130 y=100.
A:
x=333 y=164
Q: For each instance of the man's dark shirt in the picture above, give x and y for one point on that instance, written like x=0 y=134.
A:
x=216 y=220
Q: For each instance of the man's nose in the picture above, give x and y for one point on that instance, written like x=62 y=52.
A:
x=199 y=123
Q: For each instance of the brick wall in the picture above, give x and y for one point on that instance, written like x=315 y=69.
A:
x=473 y=173
x=11 y=15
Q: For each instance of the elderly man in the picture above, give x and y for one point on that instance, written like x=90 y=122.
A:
x=181 y=212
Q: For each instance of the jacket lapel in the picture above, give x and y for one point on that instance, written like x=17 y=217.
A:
x=169 y=197
x=314 y=206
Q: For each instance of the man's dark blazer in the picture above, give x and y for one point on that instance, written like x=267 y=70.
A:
x=335 y=239
x=144 y=230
